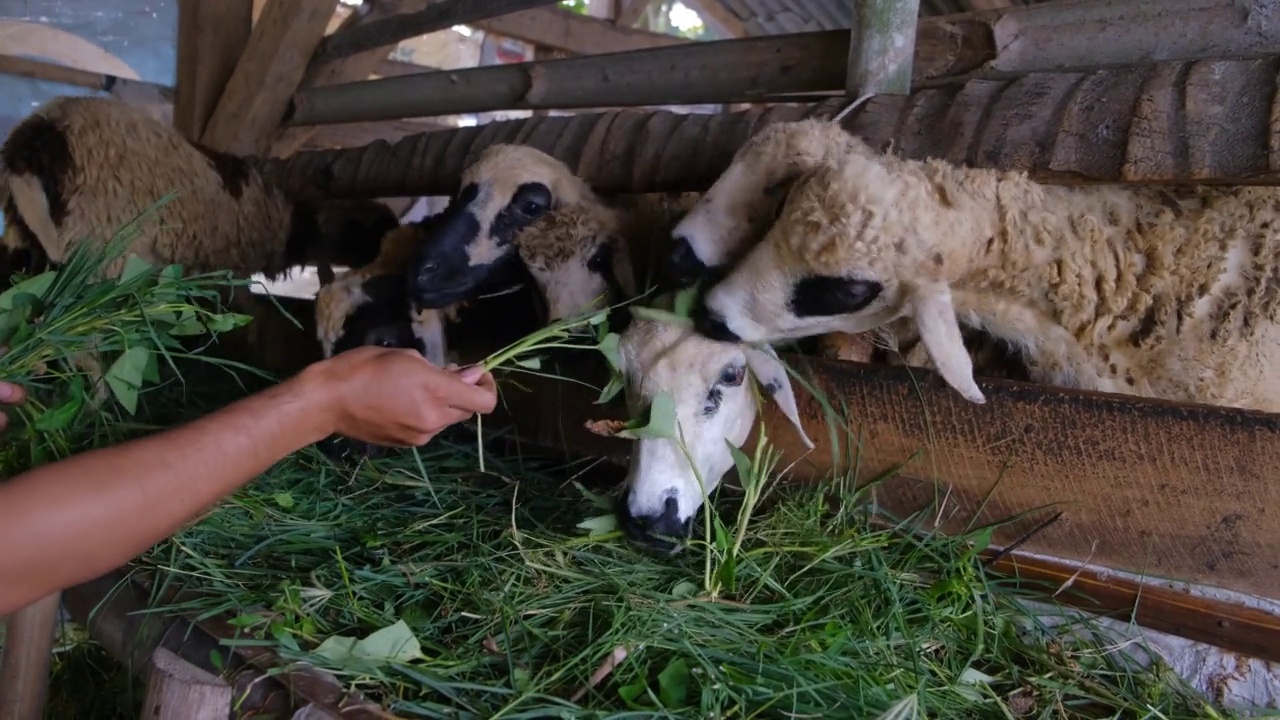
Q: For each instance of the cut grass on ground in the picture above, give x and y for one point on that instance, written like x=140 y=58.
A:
x=491 y=602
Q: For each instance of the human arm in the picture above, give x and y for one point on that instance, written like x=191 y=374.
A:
x=74 y=520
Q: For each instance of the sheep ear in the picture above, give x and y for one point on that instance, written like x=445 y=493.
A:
x=936 y=320
x=428 y=327
x=771 y=373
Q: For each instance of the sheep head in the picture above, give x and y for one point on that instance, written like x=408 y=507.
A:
x=577 y=260
x=857 y=246
x=739 y=208
x=706 y=382
x=354 y=311
x=473 y=241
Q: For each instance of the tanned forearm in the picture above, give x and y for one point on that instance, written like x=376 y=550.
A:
x=72 y=521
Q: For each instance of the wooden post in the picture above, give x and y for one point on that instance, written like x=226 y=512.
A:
x=24 y=667
x=178 y=690
x=211 y=37
x=881 y=48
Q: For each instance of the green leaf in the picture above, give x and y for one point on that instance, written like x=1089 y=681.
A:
x=743 y=463
x=519 y=679
x=684 y=589
x=125 y=376
x=60 y=418
x=394 y=643
x=603 y=502
x=662 y=421
x=134 y=267
x=682 y=303
x=228 y=321
x=609 y=347
x=284 y=500
x=600 y=524
x=36 y=286
x=673 y=684
x=611 y=390
x=632 y=692
x=532 y=363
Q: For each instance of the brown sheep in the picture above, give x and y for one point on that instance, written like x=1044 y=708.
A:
x=79 y=168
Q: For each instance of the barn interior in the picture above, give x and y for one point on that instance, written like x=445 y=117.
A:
x=1053 y=552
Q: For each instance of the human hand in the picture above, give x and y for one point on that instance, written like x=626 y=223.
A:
x=10 y=394
x=395 y=397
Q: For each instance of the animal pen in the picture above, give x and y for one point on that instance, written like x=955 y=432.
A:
x=1151 y=512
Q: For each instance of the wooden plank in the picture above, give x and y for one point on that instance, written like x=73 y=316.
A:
x=716 y=72
x=442 y=15
x=178 y=690
x=53 y=72
x=348 y=69
x=211 y=38
x=27 y=652
x=629 y=12
x=573 y=33
x=1127 y=125
x=882 y=47
x=718 y=13
x=268 y=72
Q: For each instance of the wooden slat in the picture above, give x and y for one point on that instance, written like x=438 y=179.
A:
x=573 y=33
x=348 y=69
x=211 y=38
x=25 y=662
x=630 y=11
x=434 y=17
x=178 y=690
x=882 y=47
x=266 y=75
x=1128 y=125
x=719 y=72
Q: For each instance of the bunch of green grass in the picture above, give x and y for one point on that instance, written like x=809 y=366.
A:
x=455 y=595
x=78 y=339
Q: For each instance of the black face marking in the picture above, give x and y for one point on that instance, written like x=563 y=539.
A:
x=772 y=387
x=654 y=532
x=382 y=321
x=304 y=233
x=232 y=170
x=685 y=265
x=39 y=147
x=530 y=202
x=824 y=296
x=731 y=376
x=711 y=326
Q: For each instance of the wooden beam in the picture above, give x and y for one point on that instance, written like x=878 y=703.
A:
x=211 y=38
x=882 y=47
x=1177 y=122
x=719 y=72
x=348 y=69
x=573 y=33
x=27 y=652
x=717 y=13
x=178 y=690
x=630 y=11
x=437 y=16
x=53 y=72
x=267 y=73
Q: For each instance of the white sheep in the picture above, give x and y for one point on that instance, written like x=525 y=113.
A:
x=1110 y=288
x=710 y=385
x=506 y=191
x=79 y=168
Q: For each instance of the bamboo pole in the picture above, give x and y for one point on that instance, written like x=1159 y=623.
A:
x=28 y=652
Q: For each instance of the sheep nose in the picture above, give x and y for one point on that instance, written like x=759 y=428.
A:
x=712 y=325
x=657 y=531
x=686 y=268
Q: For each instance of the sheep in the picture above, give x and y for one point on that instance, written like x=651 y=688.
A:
x=78 y=168
x=503 y=193
x=1132 y=290
x=714 y=403
x=371 y=306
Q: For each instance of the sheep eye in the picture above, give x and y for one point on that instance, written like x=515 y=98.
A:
x=532 y=208
x=732 y=375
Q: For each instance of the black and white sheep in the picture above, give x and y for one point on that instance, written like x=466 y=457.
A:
x=78 y=168
x=1135 y=290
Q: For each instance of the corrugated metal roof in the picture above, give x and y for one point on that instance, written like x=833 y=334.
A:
x=777 y=17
